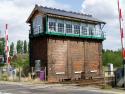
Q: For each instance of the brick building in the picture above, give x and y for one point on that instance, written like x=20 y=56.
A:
x=68 y=44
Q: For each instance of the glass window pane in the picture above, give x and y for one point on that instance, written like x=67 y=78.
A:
x=84 y=30
x=68 y=28
x=91 y=31
x=37 y=25
x=76 y=29
x=60 y=27
x=52 y=26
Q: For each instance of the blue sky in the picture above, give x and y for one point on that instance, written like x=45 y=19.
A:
x=16 y=12
x=75 y=4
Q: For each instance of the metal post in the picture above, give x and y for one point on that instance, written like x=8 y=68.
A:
x=45 y=73
x=32 y=73
x=19 y=74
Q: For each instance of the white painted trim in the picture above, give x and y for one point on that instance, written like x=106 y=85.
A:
x=78 y=71
x=60 y=72
x=93 y=71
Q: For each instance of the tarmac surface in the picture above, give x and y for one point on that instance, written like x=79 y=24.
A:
x=22 y=88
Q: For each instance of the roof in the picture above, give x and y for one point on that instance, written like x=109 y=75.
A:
x=54 y=11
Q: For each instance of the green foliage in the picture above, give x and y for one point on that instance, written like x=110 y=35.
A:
x=20 y=61
x=4 y=77
x=2 y=64
x=19 y=46
x=11 y=49
x=114 y=57
x=106 y=87
x=25 y=47
x=2 y=46
x=28 y=47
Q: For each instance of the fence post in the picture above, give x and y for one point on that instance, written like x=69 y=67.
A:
x=45 y=73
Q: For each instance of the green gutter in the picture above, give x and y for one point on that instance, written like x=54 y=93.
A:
x=74 y=35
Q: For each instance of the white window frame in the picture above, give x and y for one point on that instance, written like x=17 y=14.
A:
x=61 y=28
x=91 y=27
x=69 y=29
x=37 y=25
x=77 y=29
x=52 y=20
x=85 y=26
x=98 y=30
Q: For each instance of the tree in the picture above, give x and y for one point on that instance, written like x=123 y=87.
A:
x=19 y=46
x=2 y=46
x=113 y=57
x=25 y=47
x=11 y=49
x=21 y=62
x=28 y=46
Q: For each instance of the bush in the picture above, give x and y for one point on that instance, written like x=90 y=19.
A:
x=106 y=87
x=4 y=77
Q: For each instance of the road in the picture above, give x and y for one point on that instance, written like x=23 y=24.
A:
x=6 y=88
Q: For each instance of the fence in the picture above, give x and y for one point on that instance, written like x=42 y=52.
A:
x=110 y=78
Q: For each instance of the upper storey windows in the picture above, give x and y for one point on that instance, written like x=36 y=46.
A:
x=76 y=29
x=52 y=26
x=72 y=27
x=66 y=27
x=61 y=27
x=84 y=29
x=69 y=28
x=37 y=25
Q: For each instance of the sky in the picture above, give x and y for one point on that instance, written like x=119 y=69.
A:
x=16 y=12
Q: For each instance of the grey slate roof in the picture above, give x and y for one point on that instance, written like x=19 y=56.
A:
x=59 y=12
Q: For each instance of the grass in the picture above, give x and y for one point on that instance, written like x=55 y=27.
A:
x=106 y=87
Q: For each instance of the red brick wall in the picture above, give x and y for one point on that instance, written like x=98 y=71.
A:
x=92 y=58
x=57 y=58
x=72 y=56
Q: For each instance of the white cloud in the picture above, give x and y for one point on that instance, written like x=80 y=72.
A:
x=16 y=12
x=107 y=11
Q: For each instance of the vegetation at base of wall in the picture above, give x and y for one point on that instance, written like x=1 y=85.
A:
x=4 y=77
x=114 y=57
x=21 y=61
x=106 y=87
x=2 y=64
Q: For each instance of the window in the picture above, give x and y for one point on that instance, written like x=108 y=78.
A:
x=98 y=30
x=52 y=26
x=39 y=28
x=91 y=31
x=84 y=30
x=60 y=27
x=76 y=29
x=37 y=24
x=68 y=28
